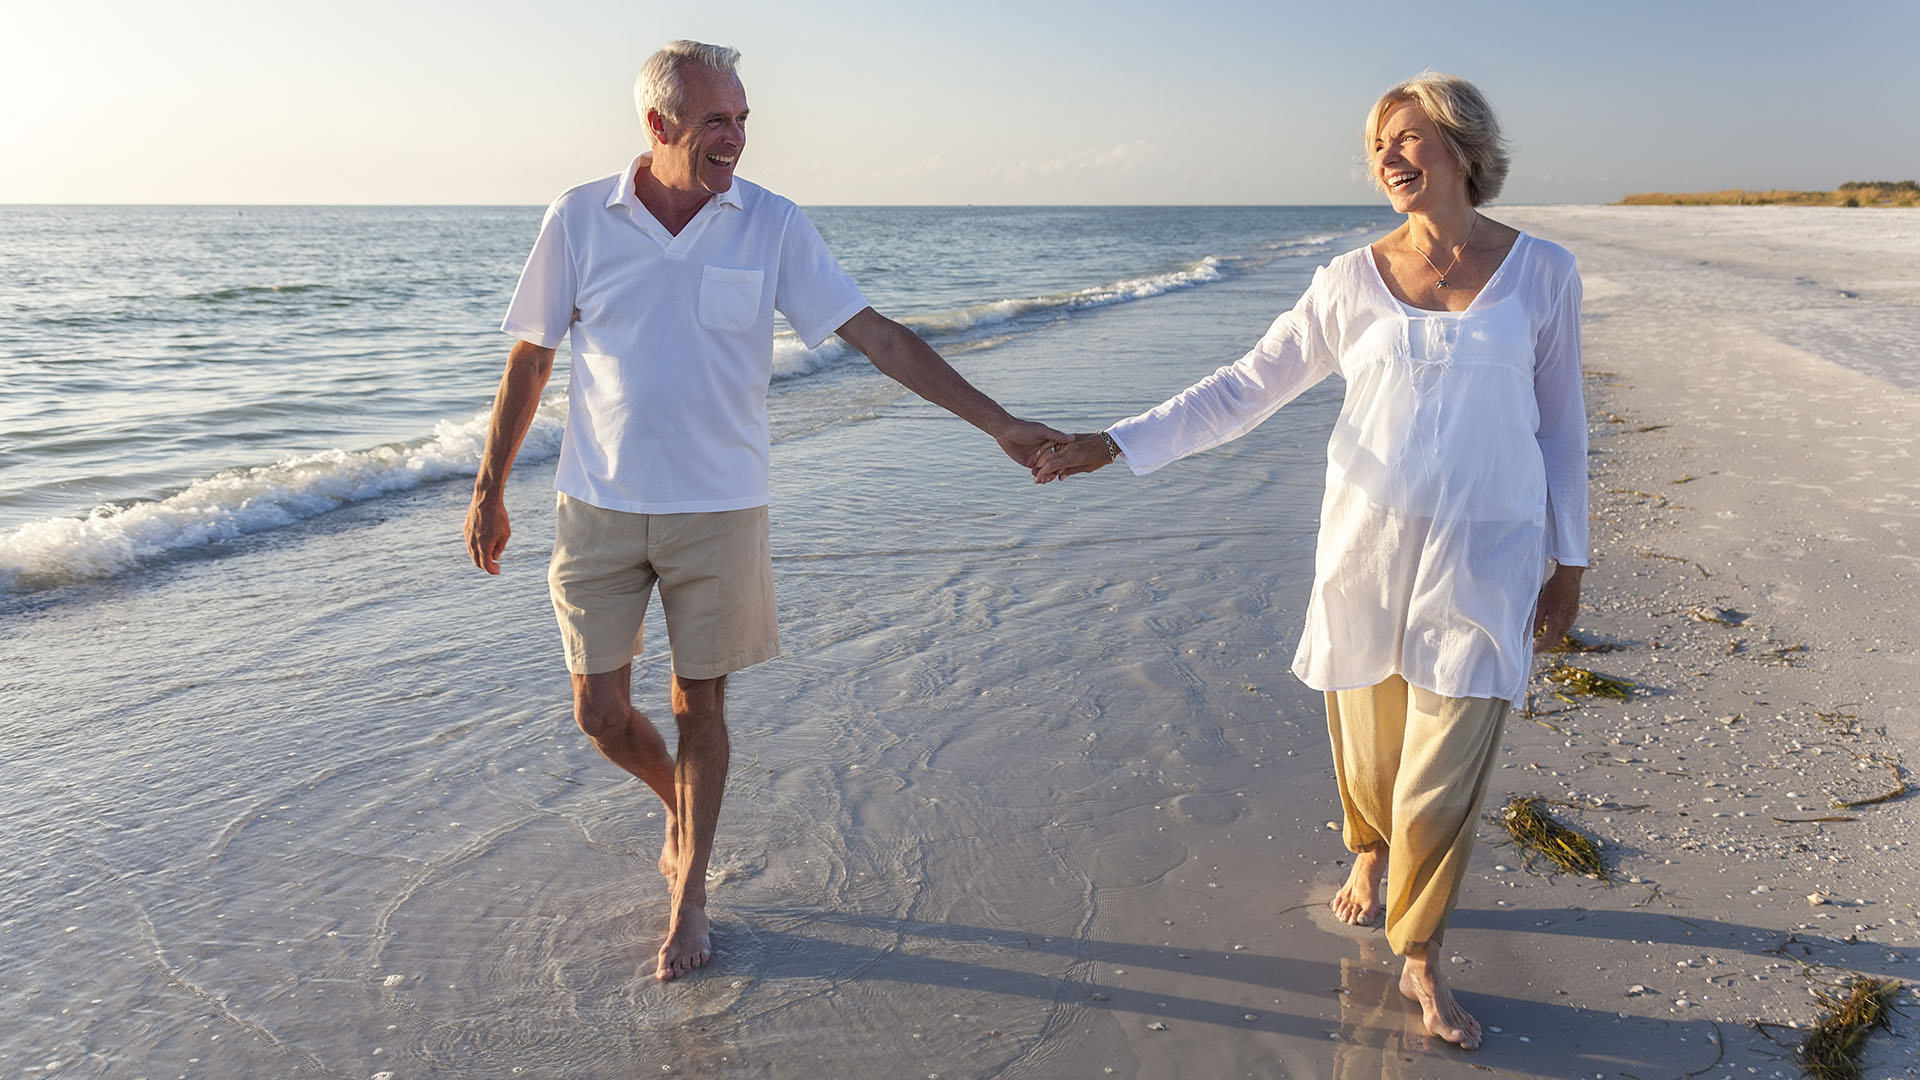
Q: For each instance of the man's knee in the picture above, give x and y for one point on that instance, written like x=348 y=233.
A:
x=600 y=707
x=600 y=719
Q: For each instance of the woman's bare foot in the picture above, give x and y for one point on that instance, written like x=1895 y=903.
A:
x=1420 y=982
x=1358 y=901
x=688 y=945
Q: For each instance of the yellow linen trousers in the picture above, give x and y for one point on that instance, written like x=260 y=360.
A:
x=1413 y=768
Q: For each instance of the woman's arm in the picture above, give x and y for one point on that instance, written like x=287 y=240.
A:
x=1562 y=434
x=1292 y=356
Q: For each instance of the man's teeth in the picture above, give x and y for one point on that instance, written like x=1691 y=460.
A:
x=718 y=160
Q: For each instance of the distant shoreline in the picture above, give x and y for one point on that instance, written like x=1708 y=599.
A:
x=1852 y=193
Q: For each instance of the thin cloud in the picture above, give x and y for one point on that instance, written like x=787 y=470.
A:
x=1123 y=158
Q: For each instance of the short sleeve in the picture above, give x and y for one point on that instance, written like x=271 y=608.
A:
x=812 y=291
x=543 y=303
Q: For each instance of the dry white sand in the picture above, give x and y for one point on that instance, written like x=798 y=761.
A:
x=1741 y=469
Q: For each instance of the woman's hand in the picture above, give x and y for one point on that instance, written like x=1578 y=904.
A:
x=1083 y=453
x=1559 y=603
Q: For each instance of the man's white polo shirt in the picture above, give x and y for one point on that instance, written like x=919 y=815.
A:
x=672 y=338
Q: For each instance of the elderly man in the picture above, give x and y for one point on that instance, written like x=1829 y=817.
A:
x=665 y=277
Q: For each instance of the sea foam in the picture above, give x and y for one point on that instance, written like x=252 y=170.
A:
x=792 y=359
x=236 y=502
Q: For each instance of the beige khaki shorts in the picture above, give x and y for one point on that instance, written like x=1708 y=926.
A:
x=716 y=587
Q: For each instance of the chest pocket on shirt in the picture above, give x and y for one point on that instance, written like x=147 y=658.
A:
x=729 y=298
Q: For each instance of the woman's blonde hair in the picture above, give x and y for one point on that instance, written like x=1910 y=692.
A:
x=1466 y=122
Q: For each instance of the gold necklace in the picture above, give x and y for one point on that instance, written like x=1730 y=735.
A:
x=1442 y=283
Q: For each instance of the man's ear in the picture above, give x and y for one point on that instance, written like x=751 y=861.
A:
x=656 y=125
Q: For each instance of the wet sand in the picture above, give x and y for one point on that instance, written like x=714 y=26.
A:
x=1032 y=792
x=1146 y=789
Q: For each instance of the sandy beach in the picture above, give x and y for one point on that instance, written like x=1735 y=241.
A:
x=1032 y=792
x=1738 y=474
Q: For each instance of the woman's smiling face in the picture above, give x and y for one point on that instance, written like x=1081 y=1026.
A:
x=1412 y=162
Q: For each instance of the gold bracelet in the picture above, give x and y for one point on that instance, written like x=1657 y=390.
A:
x=1113 y=448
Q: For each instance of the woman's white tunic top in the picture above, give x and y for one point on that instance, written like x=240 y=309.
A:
x=1457 y=467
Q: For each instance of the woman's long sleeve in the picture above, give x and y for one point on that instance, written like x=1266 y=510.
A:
x=1292 y=356
x=1562 y=433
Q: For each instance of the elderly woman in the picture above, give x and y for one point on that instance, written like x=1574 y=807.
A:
x=1456 y=471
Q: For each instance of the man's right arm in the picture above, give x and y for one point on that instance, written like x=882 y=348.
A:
x=528 y=368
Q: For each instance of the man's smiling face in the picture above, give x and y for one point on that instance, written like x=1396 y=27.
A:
x=700 y=151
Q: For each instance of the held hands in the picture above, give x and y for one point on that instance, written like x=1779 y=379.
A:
x=1080 y=454
x=1024 y=441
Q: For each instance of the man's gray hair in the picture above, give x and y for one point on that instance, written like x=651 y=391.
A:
x=659 y=86
x=1466 y=122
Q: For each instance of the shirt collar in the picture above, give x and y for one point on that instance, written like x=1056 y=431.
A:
x=623 y=193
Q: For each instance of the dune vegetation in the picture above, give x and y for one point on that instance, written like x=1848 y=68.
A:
x=1851 y=193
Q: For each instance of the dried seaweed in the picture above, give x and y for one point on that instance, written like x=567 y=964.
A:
x=1831 y=1051
x=1574 y=643
x=1536 y=832
x=1845 y=723
x=1676 y=558
x=1900 y=788
x=1573 y=680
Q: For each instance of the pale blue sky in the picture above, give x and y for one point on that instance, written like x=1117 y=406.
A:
x=486 y=101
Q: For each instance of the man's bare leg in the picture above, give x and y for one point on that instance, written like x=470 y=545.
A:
x=1420 y=981
x=700 y=781
x=1358 y=901
x=603 y=707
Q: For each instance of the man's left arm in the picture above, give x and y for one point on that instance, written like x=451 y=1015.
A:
x=902 y=356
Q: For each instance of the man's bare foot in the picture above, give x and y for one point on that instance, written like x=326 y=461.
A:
x=670 y=850
x=1444 y=1017
x=688 y=945
x=1358 y=901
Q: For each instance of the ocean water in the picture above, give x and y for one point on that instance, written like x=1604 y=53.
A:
x=178 y=377
x=294 y=790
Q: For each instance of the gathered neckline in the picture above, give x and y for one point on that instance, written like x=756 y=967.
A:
x=1381 y=280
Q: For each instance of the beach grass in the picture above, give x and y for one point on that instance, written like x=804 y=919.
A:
x=1537 y=833
x=1578 y=680
x=1831 y=1051
x=1851 y=193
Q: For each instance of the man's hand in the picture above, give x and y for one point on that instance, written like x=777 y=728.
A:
x=1025 y=441
x=528 y=366
x=487 y=532
x=1559 y=603
x=1080 y=454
